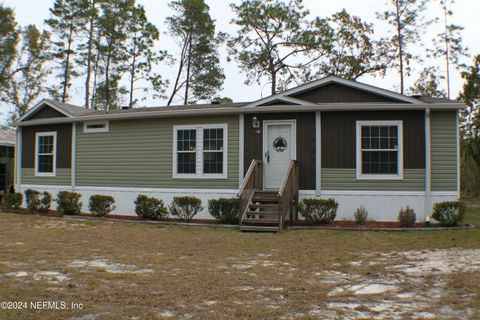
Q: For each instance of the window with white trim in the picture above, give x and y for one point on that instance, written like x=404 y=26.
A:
x=95 y=126
x=200 y=151
x=379 y=150
x=45 y=153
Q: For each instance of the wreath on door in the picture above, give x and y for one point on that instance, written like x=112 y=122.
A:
x=280 y=144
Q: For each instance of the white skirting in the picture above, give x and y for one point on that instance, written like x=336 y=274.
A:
x=381 y=205
x=124 y=197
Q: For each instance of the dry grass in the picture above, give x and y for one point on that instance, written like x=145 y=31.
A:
x=138 y=271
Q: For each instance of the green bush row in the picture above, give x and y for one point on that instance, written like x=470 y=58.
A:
x=324 y=211
x=185 y=208
x=315 y=211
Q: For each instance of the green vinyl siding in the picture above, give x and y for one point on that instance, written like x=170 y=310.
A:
x=139 y=153
x=62 y=178
x=345 y=179
x=443 y=130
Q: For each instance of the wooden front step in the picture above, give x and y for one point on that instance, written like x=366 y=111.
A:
x=259 y=228
x=273 y=222
x=262 y=213
x=263 y=205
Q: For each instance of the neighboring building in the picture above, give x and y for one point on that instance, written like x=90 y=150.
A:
x=7 y=152
x=359 y=144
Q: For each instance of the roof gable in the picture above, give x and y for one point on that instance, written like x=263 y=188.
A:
x=44 y=113
x=333 y=89
x=335 y=93
x=51 y=109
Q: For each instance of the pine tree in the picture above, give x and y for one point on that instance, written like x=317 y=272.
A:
x=448 y=44
x=428 y=84
x=66 y=20
x=26 y=85
x=276 y=40
x=142 y=36
x=408 y=20
x=111 y=50
x=353 y=51
x=8 y=45
x=199 y=73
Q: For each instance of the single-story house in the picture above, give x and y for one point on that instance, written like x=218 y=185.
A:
x=360 y=144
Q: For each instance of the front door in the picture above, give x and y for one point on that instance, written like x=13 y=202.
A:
x=278 y=150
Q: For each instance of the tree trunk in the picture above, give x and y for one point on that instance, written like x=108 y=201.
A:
x=189 y=64
x=179 y=73
x=447 y=50
x=107 y=76
x=273 y=74
x=89 y=56
x=400 y=46
x=93 y=104
x=66 y=71
x=132 y=75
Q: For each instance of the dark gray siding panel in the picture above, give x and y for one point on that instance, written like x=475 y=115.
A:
x=64 y=144
x=46 y=112
x=305 y=143
x=339 y=93
x=339 y=141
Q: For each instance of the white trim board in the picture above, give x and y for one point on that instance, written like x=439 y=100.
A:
x=105 y=128
x=46 y=134
x=265 y=124
x=372 y=193
x=241 y=148
x=318 y=151
x=236 y=110
x=199 y=152
x=399 y=150
x=130 y=189
x=73 y=169
x=337 y=80
x=40 y=105
x=235 y=191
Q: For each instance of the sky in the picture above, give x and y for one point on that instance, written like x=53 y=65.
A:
x=465 y=14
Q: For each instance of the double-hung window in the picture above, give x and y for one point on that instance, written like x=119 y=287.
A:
x=379 y=150
x=200 y=151
x=45 y=154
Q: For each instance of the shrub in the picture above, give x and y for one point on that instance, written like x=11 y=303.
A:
x=449 y=213
x=406 y=217
x=69 y=202
x=101 y=205
x=45 y=201
x=185 y=208
x=361 y=215
x=150 y=208
x=32 y=199
x=13 y=200
x=225 y=210
x=318 y=211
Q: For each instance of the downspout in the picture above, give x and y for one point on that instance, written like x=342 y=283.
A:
x=18 y=163
x=73 y=169
x=459 y=163
x=241 y=146
x=318 y=152
x=428 y=166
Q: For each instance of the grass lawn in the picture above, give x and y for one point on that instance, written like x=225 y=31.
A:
x=141 y=271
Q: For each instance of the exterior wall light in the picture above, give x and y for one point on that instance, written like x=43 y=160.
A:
x=255 y=123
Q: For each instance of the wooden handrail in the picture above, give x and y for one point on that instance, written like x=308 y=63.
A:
x=253 y=181
x=249 y=175
x=288 y=193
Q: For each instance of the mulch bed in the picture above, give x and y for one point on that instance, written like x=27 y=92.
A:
x=300 y=224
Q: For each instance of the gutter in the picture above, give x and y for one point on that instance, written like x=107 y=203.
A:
x=240 y=110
